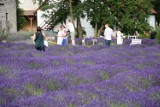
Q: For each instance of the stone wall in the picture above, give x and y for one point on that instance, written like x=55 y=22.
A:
x=8 y=17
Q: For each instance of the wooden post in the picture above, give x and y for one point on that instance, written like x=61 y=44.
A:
x=31 y=20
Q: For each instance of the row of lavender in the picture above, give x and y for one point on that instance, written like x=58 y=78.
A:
x=77 y=76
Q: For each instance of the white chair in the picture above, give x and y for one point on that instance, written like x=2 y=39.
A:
x=136 y=41
x=94 y=41
x=83 y=42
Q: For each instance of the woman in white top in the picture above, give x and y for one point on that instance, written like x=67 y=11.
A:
x=119 y=37
x=61 y=35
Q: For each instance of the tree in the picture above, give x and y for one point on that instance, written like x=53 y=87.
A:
x=156 y=4
x=158 y=34
x=130 y=15
x=78 y=14
x=55 y=11
x=98 y=13
x=58 y=11
x=21 y=21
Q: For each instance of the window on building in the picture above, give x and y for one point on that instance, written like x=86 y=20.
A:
x=1 y=4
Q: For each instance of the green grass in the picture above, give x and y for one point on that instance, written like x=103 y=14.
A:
x=104 y=75
x=56 y=63
x=52 y=85
x=3 y=70
x=35 y=65
x=89 y=63
x=33 y=90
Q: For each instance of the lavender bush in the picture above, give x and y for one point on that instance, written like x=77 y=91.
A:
x=78 y=76
x=16 y=37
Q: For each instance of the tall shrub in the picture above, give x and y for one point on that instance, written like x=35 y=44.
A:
x=158 y=34
x=21 y=21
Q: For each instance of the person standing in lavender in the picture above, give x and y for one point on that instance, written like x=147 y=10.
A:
x=64 y=42
x=38 y=39
x=61 y=36
x=108 y=35
x=119 y=37
x=70 y=27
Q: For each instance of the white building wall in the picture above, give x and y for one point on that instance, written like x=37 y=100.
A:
x=152 y=21
x=40 y=20
x=87 y=27
x=28 y=5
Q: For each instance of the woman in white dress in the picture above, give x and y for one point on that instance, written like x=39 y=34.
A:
x=119 y=37
x=61 y=34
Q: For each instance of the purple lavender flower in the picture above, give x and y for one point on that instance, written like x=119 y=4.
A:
x=80 y=76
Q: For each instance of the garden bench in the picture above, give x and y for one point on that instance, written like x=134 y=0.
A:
x=136 y=41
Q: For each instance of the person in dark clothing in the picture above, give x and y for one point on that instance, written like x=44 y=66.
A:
x=102 y=34
x=38 y=38
x=153 y=35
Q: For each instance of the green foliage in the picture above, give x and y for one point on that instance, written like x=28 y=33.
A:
x=71 y=105
x=118 y=104
x=52 y=85
x=21 y=21
x=55 y=12
x=35 y=65
x=56 y=63
x=3 y=70
x=104 y=75
x=158 y=34
x=91 y=7
x=130 y=15
x=3 y=36
x=33 y=90
x=89 y=63
x=145 y=35
x=78 y=9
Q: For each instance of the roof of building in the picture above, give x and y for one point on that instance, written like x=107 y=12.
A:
x=29 y=12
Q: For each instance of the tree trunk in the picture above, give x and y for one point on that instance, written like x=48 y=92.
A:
x=71 y=12
x=99 y=31
x=95 y=31
x=79 y=27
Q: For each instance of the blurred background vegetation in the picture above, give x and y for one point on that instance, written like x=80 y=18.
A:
x=89 y=7
x=19 y=36
x=158 y=34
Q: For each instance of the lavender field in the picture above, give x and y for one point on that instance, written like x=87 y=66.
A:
x=78 y=76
